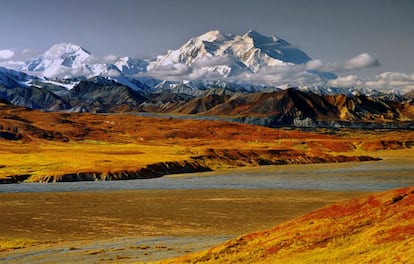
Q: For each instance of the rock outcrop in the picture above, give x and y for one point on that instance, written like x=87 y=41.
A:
x=151 y=171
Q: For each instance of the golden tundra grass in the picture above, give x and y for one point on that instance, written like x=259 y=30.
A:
x=374 y=229
x=137 y=142
x=8 y=243
x=59 y=158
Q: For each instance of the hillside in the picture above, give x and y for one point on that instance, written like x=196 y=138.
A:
x=289 y=107
x=292 y=107
x=374 y=229
x=40 y=146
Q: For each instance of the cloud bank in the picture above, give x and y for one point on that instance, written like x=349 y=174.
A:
x=311 y=74
x=359 y=62
x=384 y=81
x=314 y=73
x=17 y=55
x=6 y=54
x=14 y=59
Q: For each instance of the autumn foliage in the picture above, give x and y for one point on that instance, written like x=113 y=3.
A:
x=39 y=146
x=374 y=229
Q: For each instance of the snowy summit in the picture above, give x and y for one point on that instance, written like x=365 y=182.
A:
x=249 y=52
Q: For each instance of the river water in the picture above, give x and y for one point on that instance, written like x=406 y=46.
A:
x=353 y=176
x=364 y=176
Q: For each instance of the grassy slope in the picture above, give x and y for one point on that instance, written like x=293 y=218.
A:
x=374 y=229
x=54 y=144
x=7 y=244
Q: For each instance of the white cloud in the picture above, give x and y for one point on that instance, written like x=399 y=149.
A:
x=13 y=56
x=204 y=73
x=212 y=61
x=112 y=73
x=361 y=61
x=172 y=72
x=392 y=80
x=65 y=72
x=289 y=75
x=6 y=54
x=299 y=75
x=108 y=59
x=314 y=65
x=15 y=59
x=384 y=81
x=111 y=58
x=25 y=54
x=215 y=68
x=346 y=81
x=281 y=76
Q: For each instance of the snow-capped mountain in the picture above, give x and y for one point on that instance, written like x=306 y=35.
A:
x=67 y=61
x=230 y=55
x=60 y=60
x=250 y=62
x=209 y=57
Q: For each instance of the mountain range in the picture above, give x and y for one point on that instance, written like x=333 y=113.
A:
x=250 y=62
x=212 y=53
x=210 y=75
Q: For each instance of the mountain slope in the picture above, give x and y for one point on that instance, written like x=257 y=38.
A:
x=374 y=229
x=12 y=79
x=130 y=66
x=106 y=97
x=290 y=107
x=277 y=108
x=34 y=98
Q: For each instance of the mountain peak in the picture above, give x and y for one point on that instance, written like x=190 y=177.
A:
x=68 y=46
x=211 y=36
x=64 y=49
x=59 y=60
x=229 y=55
x=276 y=48
x=259 y=36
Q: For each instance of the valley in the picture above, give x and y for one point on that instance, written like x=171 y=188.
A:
x=49 y=147
x=140 y=225
x=126 y=159
x=156 y=224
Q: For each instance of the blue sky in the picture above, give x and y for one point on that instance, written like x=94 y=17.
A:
x=331 y=31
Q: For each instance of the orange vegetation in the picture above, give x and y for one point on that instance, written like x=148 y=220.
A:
x=38 y=146
x=374 y=229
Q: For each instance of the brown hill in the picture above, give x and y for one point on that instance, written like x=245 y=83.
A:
x=374 y=229
x=292 y=107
